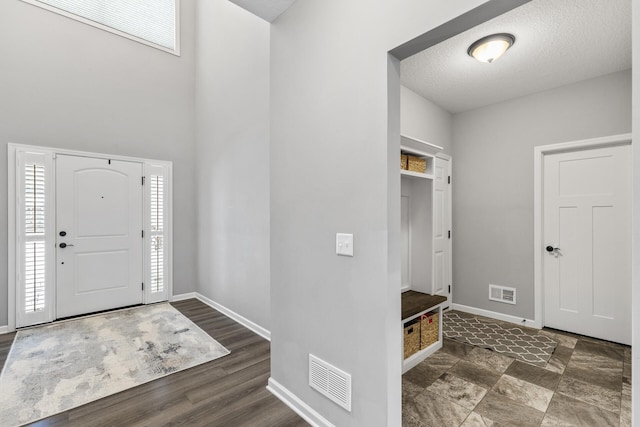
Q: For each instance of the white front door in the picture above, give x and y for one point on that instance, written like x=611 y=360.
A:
x=441 y=230
x=587 y=242
x=99 y=234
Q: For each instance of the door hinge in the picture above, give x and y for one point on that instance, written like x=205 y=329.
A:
x=449 y=288
x=449 y=179
x=143 y=180
x=143 y=234
x=449 y=234
x=109 y=161
x=143 y=286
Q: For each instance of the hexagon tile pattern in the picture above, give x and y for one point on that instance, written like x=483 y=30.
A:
x=512 y=342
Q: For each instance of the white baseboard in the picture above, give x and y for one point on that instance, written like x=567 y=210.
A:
x=498 y=316
x=297 y=405
x=4 y=329
x=235 y=316
x=183 y=297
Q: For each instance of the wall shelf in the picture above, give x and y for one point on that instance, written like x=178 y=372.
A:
x=412 y=174
x=429 y=159
x=417 y=144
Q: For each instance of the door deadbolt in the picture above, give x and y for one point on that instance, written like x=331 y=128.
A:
x=554 y=251
x=63 y=233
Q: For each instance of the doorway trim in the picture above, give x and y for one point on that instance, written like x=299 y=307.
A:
x=538 y=207
x=449 y=159
x=149 y=167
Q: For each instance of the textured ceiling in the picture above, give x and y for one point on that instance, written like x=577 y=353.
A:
x=268 y=10
x=557 y=42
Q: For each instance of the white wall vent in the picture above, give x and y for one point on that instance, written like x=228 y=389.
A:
x=330 y=381
x=502 y=294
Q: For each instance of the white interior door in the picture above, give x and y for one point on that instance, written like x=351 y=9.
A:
x=441 y=229
x=587 y=239
x=99 y=234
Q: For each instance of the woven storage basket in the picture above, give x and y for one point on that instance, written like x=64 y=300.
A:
x=411 y=337
x=416 y=164
x=428 y=329
x=403 y=161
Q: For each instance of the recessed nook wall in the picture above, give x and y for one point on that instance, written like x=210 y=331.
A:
x=417 y=195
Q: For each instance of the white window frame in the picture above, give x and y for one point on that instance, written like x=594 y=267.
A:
x=78 y=18
x=162 y=169
x=21 y=157
x=17 y=154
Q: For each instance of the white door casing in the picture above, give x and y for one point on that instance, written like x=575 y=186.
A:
x=441 y=229
x=587 y=217
x=99 y=208
x=405 y=232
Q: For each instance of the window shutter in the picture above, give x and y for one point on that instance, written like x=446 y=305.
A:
x=157 y=229
x=158 y=274
x=34 y=233
x=34 y=199
x=34 y=224
x=34 y=276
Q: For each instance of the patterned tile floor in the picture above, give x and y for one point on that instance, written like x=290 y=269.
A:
x=587 y=382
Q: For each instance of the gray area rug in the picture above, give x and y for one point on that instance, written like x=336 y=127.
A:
x=513 y=342
x=57 y=367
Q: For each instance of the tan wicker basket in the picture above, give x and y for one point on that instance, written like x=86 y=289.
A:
x=416 y=164
x=411 y=337
x=403 y=161
x=428 y=329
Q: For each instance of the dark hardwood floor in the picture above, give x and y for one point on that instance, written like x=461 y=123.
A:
x=229 y=391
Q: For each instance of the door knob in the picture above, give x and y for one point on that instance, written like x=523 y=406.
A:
x=552 y=249
x=64 y=245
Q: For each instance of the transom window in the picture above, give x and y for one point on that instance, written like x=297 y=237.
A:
x=152 y=22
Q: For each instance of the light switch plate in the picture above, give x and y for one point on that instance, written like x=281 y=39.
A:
x=344 y=244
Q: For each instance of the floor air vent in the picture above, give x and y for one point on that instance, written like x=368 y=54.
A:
x=330 y=381
x=502 y=294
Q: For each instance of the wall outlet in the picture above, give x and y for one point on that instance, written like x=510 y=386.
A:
x=344 y=244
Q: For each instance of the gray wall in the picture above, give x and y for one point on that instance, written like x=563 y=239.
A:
x=68 y=85
x=493 y=180
x=232 y=102
x=333 y=170
x=636 y=211
x=420 y=118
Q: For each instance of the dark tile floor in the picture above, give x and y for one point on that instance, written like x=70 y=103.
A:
x=587 y=382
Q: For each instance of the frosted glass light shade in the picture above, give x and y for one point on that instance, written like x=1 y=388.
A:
x=490 y=48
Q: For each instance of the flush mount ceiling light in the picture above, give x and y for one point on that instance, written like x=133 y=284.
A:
x=492 y=47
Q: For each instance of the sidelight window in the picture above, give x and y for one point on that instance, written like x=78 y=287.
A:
x=158 y=226
x=34 y=237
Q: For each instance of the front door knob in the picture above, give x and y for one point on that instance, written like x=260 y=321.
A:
x=64 y=245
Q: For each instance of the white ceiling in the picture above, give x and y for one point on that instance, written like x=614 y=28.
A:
x=268 y=10
x=557 y=42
